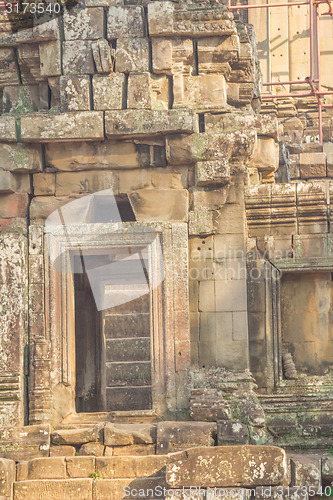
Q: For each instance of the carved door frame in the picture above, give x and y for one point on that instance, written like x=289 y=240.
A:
x=170 y=338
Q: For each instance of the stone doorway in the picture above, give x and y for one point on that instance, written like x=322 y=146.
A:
x=54 y=356
x=113 y=346
x=307 y=318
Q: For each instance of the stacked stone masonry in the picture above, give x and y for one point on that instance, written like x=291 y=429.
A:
x=160 y=103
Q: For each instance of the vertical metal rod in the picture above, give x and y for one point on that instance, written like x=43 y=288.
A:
x=320 y=109
x=311 y=40
x=269 y=62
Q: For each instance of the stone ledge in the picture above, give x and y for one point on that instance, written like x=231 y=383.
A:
x=69 y=489
x=220 y=466
x=145 y=122
x=84 y=125
x=164 y=19
x=18 y=443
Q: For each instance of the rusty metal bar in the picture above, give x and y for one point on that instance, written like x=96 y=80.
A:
x=269 y=84
x=314 y=92
x=265 y=5
x=277 y=96
x=318 y=93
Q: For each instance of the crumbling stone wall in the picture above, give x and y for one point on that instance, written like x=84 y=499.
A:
x=129 y=107
x=159 y=103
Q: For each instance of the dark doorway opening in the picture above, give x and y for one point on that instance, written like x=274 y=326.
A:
x=113 y=346
x=89 y=349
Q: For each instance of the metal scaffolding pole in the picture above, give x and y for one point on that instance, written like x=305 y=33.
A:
x=314 y=83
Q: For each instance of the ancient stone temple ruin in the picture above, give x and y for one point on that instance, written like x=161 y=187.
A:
x=166 y=253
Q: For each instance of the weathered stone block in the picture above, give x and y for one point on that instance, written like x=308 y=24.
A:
x=160 y=204
x=14 y=205
x=163 y=19
x=78 y=58
x=48 y=30
x=21 y=99
x=74 y=93
x=232 y=432
x=42 y=206
x=266 y=155
x=312 y=165
x=108 y=92
x=68 y=183
x=222 y=295
x=210 y=173
x=239 y=323
x=55 y=489
x=7 y=477
x=7 y=182
x=82 y=125
x=201 y=221
x=202 y=92
x=183 y=60
x=78 y=436
x=7 y=129
x=94 y=155
x=239 y=94
x=246 y=466
x=20 y=158
x=138 y=96
x=83 y=24
x=128 y=467
x=210 y=147
x=44 y=184
x=50 y=58
x=160 y=17
x=208 y=405
x=149 y=122
x=103 y=55
x=159 y=92
x=17 y=443
x=132 y=54
x=28 y=59
x=131 y=450
x=175 y=436
x=94 y=449
x=8 y=71
x=42 y=468
x=114 y=489
x=62 y=451
x=54 y=87
x=162 y=55
x=306 y=470
x=248 y=410
x=265 y=125
x=215 y=52
x=125 y=21
x=122 y=434
x=80 y=466
x=327 y=469
x=146 y=91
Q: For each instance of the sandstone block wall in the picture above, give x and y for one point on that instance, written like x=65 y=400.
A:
x=160 y=103
x=143 y=101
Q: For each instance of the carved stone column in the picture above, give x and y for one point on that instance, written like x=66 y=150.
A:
x=39 y=346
